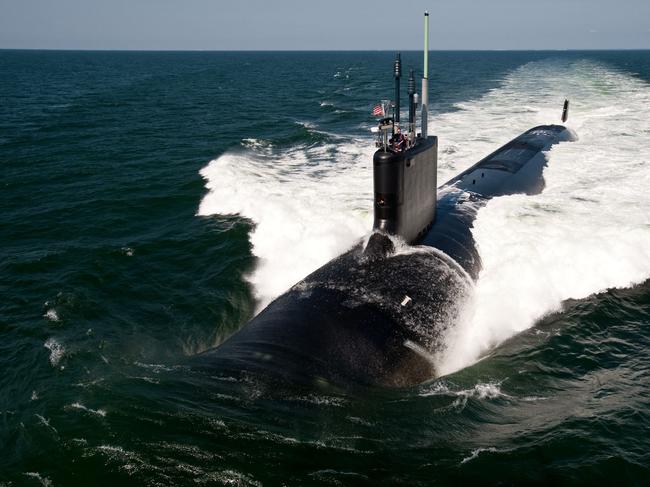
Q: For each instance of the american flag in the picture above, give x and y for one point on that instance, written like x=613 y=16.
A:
x=378 y=110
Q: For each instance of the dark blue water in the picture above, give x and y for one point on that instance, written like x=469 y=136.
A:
x=110 y=281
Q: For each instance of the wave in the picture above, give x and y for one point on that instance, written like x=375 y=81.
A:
x=308 y=205
x=588 y=231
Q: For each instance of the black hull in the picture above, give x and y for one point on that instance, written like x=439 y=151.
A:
x=374 y=319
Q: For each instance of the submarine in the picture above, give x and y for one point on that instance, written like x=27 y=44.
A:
x=379 y=314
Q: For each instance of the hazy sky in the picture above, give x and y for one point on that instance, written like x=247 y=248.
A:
x=325 y=24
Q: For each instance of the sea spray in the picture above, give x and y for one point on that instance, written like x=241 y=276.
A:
x=589 y=229
x=586 y=232
x=304 y=213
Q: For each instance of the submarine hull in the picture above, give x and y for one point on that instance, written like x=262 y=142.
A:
x=381 y=317
x=353 y=321
x=515 y=168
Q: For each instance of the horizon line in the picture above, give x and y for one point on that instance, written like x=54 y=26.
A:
x=325 y=50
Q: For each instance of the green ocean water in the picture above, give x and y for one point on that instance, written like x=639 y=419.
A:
x=120 y=260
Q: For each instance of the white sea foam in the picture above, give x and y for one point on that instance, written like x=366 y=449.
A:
x=158 y=368
x=320 y=400
x=46 y=422
x=482 y=390
x=126 y=460
x=308 y=205
x=56 y=351
x=128 y=251
x=588 y=231
x=51 y=315
x=255 y=143
x=44 y=481
x=80 y=407
x=476 y=453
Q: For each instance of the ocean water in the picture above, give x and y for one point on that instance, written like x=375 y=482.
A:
x=152 y=203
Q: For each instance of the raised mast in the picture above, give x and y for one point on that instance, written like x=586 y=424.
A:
x=411 y=93
x=398 y=75
x=425 y=78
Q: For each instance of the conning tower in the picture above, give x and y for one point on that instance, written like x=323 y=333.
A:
x=405 y=167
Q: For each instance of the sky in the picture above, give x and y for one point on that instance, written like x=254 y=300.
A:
x=323 y=25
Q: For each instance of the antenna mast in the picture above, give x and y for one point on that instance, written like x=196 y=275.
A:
x=398 y=75
x=425 y=77
x=411 y=93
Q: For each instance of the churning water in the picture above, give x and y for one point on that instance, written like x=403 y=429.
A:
x=153 y=202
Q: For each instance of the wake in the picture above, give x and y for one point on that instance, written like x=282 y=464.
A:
x=588 y=231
